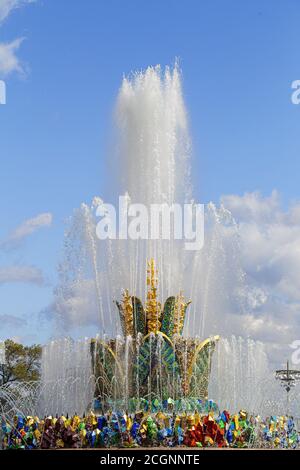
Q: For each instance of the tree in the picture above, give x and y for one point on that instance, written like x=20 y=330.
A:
x=22 y=363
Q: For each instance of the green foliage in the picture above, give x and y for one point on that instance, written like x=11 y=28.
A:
x=22 y=363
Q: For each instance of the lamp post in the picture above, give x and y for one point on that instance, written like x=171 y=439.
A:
x=288 y=379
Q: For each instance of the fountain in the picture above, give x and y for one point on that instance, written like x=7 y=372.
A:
x=152 y=360
x=153 y=352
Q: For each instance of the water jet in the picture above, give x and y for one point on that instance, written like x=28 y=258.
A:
x=152 y=360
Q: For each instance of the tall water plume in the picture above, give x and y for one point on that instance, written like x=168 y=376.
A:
x=154 y=167
x=154 y=149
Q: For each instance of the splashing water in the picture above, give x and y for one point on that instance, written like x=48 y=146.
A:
x=154 y=164
x=67 y=379
x=239 y=371
x=154 y=167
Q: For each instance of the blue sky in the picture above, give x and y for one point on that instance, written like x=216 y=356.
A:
x=238 y=61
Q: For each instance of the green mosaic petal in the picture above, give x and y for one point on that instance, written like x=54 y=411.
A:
x=167 y=325
x=139 y=316
x=122 y=319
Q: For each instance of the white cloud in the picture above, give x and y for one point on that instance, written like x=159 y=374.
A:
x=9 y=62
x=24 y=274
x=271 y=241
x=77 y=307
x=7 y=6
x=270 y=252
x=27 y=228
x=253 y=206
x=11 y=321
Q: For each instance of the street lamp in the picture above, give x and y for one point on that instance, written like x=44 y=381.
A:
x=288 y=379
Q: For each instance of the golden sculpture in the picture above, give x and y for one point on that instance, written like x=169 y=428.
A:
x=180 y=368
x=128 y=313
x=179 y=317
x=153 y=307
